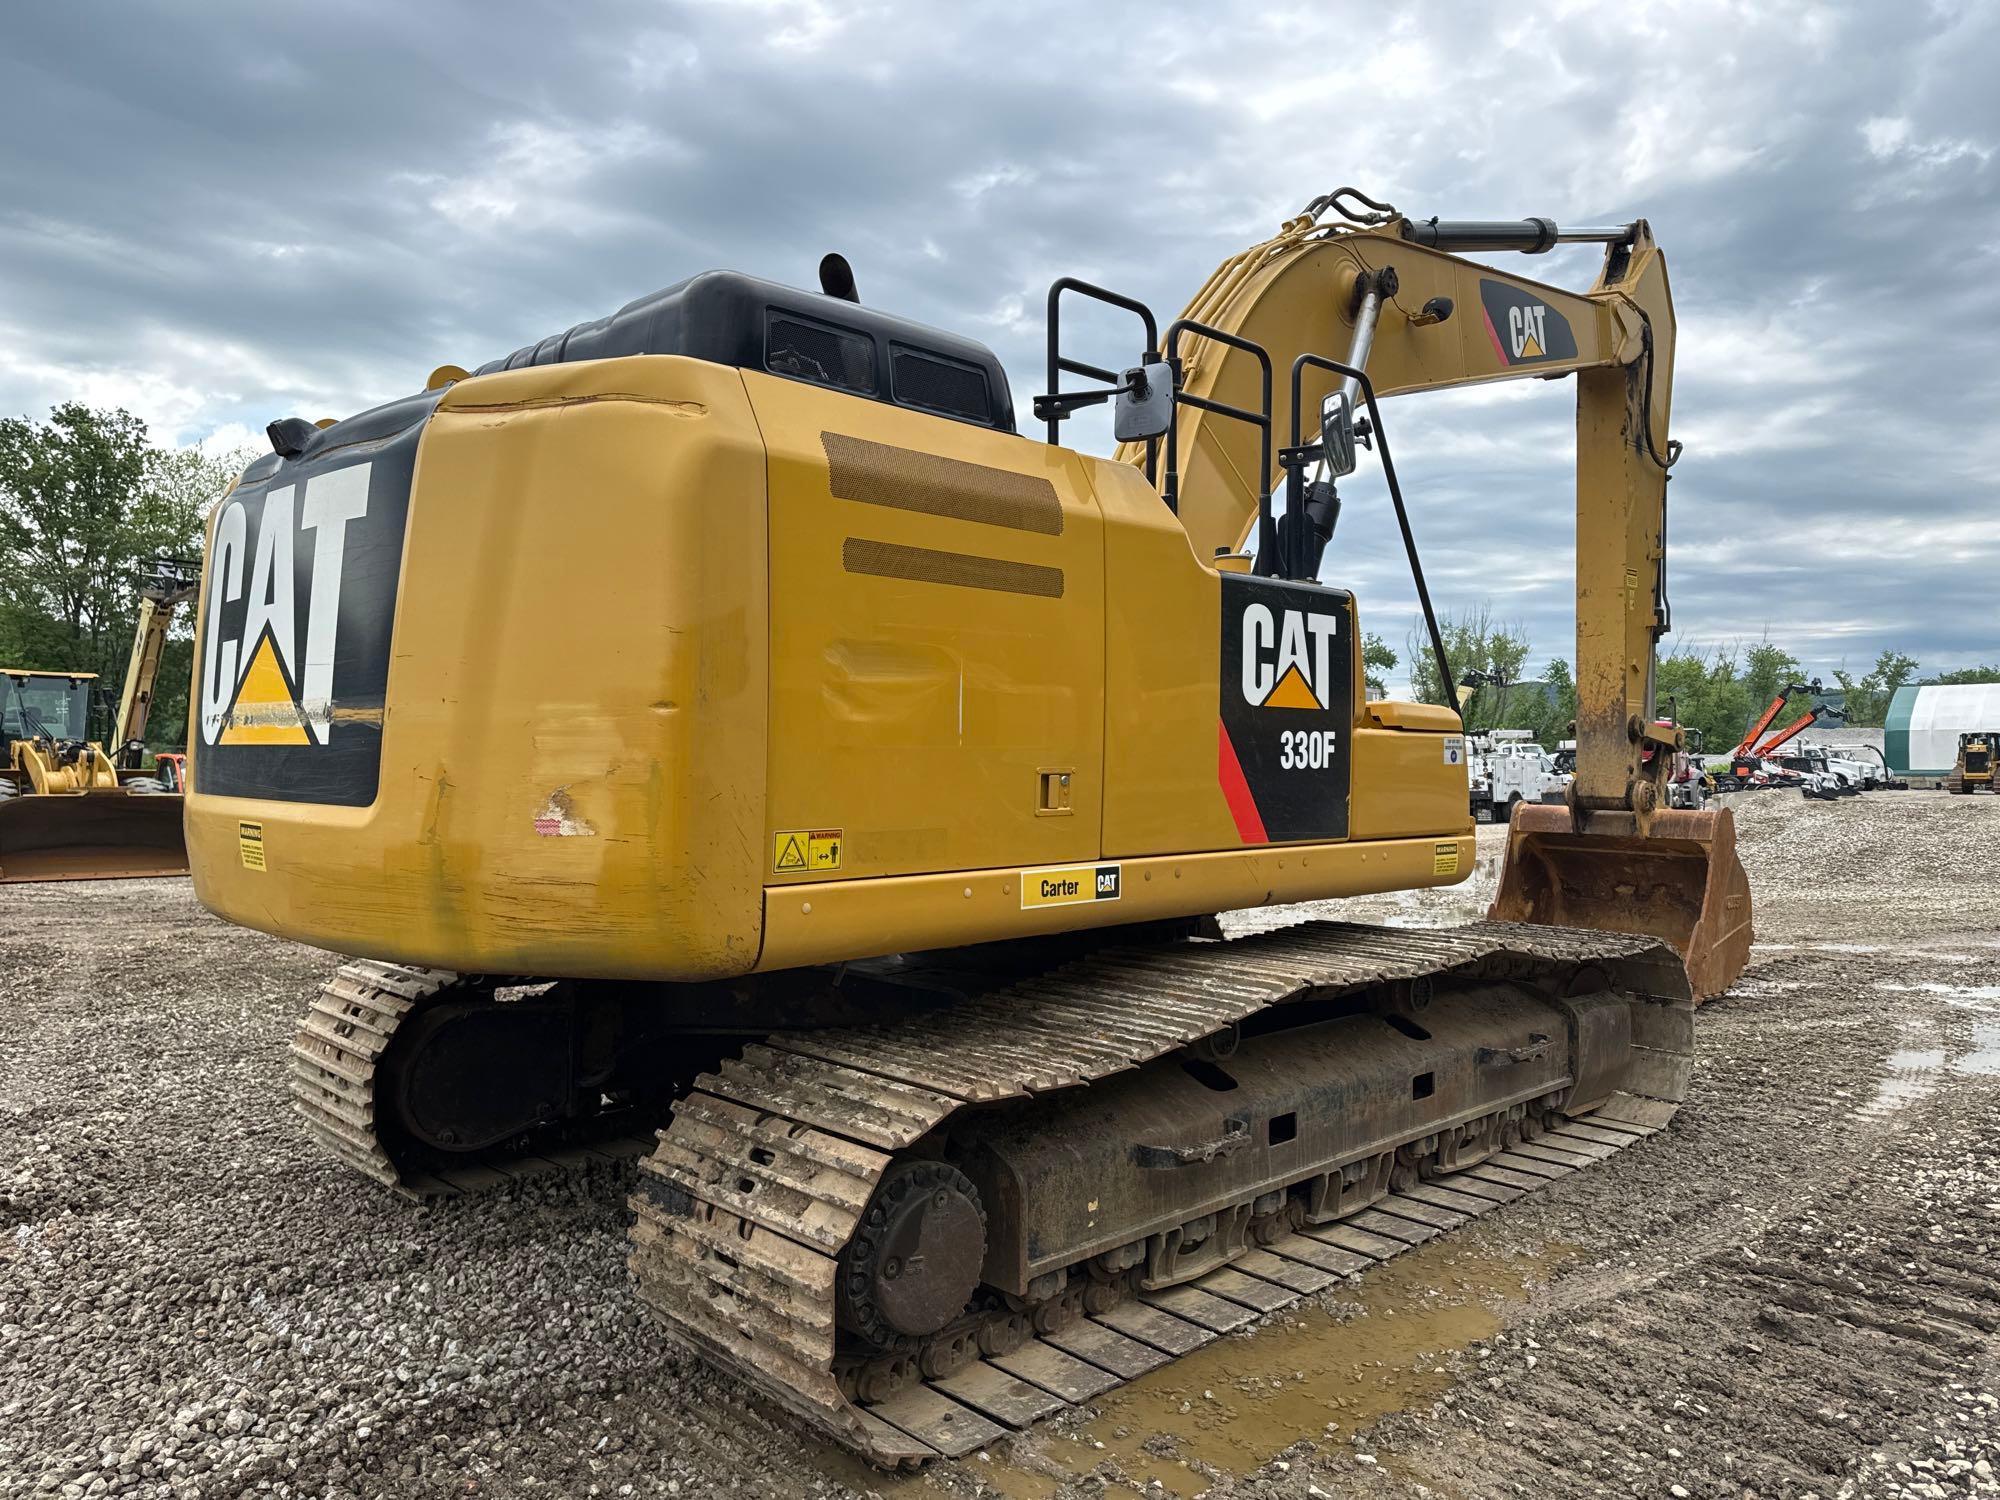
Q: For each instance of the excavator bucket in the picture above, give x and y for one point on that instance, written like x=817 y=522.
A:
x=1681 y=883
x=103 y=835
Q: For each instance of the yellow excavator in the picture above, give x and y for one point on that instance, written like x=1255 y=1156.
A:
x=721 y=717
x=69 y=808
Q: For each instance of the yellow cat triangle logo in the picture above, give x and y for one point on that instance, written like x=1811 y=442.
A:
x=1530 y=349
x=264 y=712
x=1293 y=691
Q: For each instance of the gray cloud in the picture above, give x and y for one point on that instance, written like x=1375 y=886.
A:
x=221 y=214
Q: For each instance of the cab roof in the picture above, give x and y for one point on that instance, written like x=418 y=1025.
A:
x=729 y=318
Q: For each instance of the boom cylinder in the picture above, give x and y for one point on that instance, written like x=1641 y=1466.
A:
x=1366 y=317
x=1529 y=236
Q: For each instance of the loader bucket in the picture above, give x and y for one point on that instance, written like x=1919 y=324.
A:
x=91 y=836
x=1681 y=883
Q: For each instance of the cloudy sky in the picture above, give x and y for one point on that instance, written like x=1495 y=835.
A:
x=215 y=214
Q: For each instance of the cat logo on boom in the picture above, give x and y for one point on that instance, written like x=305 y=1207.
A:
x=1288 y=657
x=1523 y=329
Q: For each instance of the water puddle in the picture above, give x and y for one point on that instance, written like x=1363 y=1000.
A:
x=1963 y=996
x=1018 y=1484
x=1234 y=1405
x=1983 y=1061
x=1912 y=1075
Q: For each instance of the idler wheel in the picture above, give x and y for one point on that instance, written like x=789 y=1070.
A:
x=913 y=1263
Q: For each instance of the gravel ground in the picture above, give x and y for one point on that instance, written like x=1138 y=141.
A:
x=1785 y=1294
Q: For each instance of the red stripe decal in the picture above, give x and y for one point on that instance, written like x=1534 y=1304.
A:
x=1236 y=791
x=1494 y=334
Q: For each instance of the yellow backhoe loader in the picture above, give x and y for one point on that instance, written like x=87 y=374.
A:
x=69 y=809
x=847 y=781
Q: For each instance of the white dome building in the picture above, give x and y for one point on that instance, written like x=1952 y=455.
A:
x=1920 y=736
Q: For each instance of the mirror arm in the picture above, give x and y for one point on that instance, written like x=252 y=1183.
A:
x=1059 y=406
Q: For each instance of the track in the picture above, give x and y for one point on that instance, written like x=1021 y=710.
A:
x=771 y=1164
x=336 y=1075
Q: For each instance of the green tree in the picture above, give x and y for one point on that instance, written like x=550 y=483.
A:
x=1963 y=675
x=84 y=504
x=1767 y=670
x=1376 y=660
x=1492 y=655
x=1553 y=716
x=189 y=480
x=1866 y=702
x=1707 y=693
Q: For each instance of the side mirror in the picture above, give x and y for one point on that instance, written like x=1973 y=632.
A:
x=1145 y=406
x=1336 y=434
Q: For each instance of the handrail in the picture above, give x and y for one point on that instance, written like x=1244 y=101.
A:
x=1058 y=364
x=1294 y=491
x=1267 y=527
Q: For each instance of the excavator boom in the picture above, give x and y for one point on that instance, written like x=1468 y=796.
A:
x=1379 y=292
x=1790 y=732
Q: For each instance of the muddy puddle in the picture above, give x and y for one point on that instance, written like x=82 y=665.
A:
x=1387 y=1346
x=1902 y=952
x=1964 y=996
x=1910 y=1075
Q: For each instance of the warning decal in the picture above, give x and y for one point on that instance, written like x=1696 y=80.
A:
x=799 y=850
x=250 y=844
x=1069 y=885
x=1454 y=749
x=1444 y=859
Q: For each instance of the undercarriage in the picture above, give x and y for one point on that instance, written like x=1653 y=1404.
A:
x=917 y=1234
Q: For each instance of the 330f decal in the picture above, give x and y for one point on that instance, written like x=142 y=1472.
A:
x=1287 y=708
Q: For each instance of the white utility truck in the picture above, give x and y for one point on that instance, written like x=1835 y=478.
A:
x=1509 y=768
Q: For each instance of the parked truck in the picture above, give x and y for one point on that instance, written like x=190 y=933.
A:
x=1509 y=768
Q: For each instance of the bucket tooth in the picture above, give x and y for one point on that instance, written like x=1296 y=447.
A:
x=1681 y=883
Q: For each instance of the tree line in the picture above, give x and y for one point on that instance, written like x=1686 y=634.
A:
x=1718 y=689
x=86 y=502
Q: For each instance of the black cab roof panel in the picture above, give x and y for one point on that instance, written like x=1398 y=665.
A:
x=732 y=319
